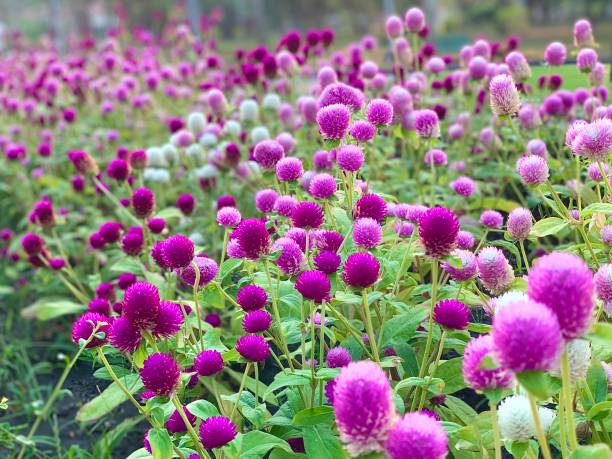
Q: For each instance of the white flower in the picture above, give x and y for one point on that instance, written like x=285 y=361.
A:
x=232 y=128
x=249 y=110
x=170 y=152
x=195 y=152
x=196 y=123
x=271 y=101
x=579 y=356
x=156 y=175
x=515 y=420
x=206 y=172
x=259 y=133
x=547 y=416
x=155 y=157
x=208 y=140
x=507 y=298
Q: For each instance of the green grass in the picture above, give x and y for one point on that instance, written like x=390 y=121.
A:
x=572 y=78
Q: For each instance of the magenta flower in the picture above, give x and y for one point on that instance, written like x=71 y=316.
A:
x=323 y=186
x=124 y=336
x=141 y=305
x=338 y=357
x=175 y=423
x=350 y=158
x=426 y=123
x=417 y=435
x=477 y=377
x=256 y=321
x=520 y=223
x=452 y=314
x=169 y=320
x=532 y=169
x=341 y=94
x=143 y=202
x=361 y=270
x=367 y=233
x=217 y=431
x=251 y=298
x=505 y=100
x=289 y=169
x=438 y=228
x=492 y=219
x=291 y=258
x=379 y=112
x=268 y=153
x=252 y=238
x=327 y=261
x=313 y=285
x=307 y=214
x=208 y=363
x=494 y=270
x=253 y=348
x=333 y=121
x=83 y=327
x=160 y=374
x=178 y=251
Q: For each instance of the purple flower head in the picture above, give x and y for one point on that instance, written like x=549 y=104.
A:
x=157 y=253
x=175 y=423
x=265 y=200
x=606 y=235
x=291 y=259
x=403 y=229
x=323 y=186
x=532 y=169
x=367 y=233
x=379 y=112
x=477 y=377
x=586 y=60
x=327 y=261
x=526 y=337
x=83 y=327
x=333 y=121
x=394 y=27
x=186 y=203
x=284 y=205
x=594 y=140
x=583 y=33
x=362 y=131
x=100 y=306
x=160 y=374
x=124 y=336
x=307 y=214
x=505 y=100
x=251 y=298
x=603 y=286
x=253 y=348
x=256 y=321
x=43 y=213
x=414 y=20
x=322 y=160
x=83 y=162
x=313 y=285
x=555 y=53
x=141 y=305
x=518 y=66
x=217 y=431
x=156 y=225
x=438 y=228
x=132 y=243
x=350 y=158
x=143 y=202
x=169 y=320
x=452 y=314
x=178 y=251
x=463 y=186
x=361 y=270
x=465 y=240
x=537 y=147
x=32 y=243
x=208 y=363
x=226 y=200
x=594 y=172
x=253 y=238
x=118 y=169
x=110 y=231
x=268 y=153
x=520 y=223
x=341 y=94
x=289 y=169
x=417 y=435
x=338 y=357
x=494 y=270
x=426 y=123
x=438 y=156
x=228 y=217
x=564 y=284
x=492 y=219
x=363 y=405
x=328 y=240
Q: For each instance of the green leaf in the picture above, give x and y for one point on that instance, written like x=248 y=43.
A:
x=321 y=443
x=313 y=416
x=255 y=414
x=169 y=213
x=287 y=379
x=227 y=267
x=433 y=384
x=599 y=411
x=161 y=445
x=141 y=354
x=109 y=399
x=460 y=409
x=140 y=454
x=256 y=444
x=538 y=383
x=128 y=265
x=202 y=409
x=598 y=451
x=497 y=204
x=547 y=226
x=401 y=328
x=601 y=335
x=111 y=439
x=597 y=207
x=597 y=381
x=451 y=371
x=48 y=308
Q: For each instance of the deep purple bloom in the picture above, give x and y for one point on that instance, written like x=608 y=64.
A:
x=338 y=357
x=370 y=206
x=208 y=363
x=417 y=435
x=333 y=121
x=438 y=229
x=160 y=374
x=256 y=321
x=253 y=238
x=124 y=336
x=83 y=327
x=253 y=348
x=313 y=285
x=178 y=251
x=327 y=261
x=452 y=314
x=175 y=423
x=251 y=298
x=143 y=202
x=141 y=304
x=217 y=431
x=169 y=320
x=361 y=270
x=307 y=214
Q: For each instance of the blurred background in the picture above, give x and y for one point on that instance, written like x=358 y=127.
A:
x=247 y=22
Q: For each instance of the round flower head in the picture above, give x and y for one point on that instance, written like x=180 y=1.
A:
x=518 y=66
x=338 y=357
x=175 y=423
x=341 y=94
x=289 y=169
x=141 y=304
x=564 y=283
x=414 y=20
x=143 y=202
x=586 y=60
x=555 y=53
x=32 y=243
x=208 y=363
x=532 y=169
x=178 y=251
x=169 y=320
x=465 y=240
x=327 y=262
x=603 y=285
x=43 y=214
x=350 y=158
x=99 y=305
x=438 y=157
x=520 y=223
x=253 y=238
x=379 y=112
x=124 y=336
x=492 y=219
x=426 y=123
x=328 y=240
x=323 y=186
x=583 y=33
x=594 y=140
x=452 y=314
x=438 y=228
x=394 y=27
x=606 y=234
x=186 y=203
x=84 y=326
x=505 y=100
x=477 y=377
x=313 y=285
x=291 y=258
x=251 y=298
x=537 y=147
x=516 y=421
x=132 y=243
x=307 y=214
x=253 y=348
x=594 y=172
x=363 y=405
x=322 y=159
x=268 y=153
x=83 y=162
x=462 y=267
x=333 y=121
x=256 y=321
x=417 y=435
x=284 y=205
x=228 y=217
x=526 y=337
x=367 y=233
x=494 y=270
x=265 y=199
x=157 y=253
x=403 y=229
x=463 y=186
x=579 y=357
x=529 y=117
x=361 y=270
x=156 y=225
x=572 y=132
x=110 y=232
x=217 y=431
x=160 y=374
x=362 y=131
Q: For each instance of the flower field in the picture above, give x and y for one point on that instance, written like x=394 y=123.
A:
x=305 y=250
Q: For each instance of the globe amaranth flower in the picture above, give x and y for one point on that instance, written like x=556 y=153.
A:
x=367 y=233
x=362 y=131
x=414 y=19
x=361 y=270
x=438 y=228
x=284 y=205
x=160 y=374
x=43 y=214
x=564 y=283
x=228 y=217
x=253 y=348
x=327 y=261
x=265 y=200
x=338 y=357
x=169 y=320
x=268 y=153
x=516 y=421
x=141 y=304
x=426 y=123
x=403 y=229
x=110 y=231
x=494 y=270
x=394 y=27
x=505 y=100
x=526 y=337
x=438 y=157
x=32 y=243
x=313 y=285
x=289 y=169
x=322 y=159
x=492 y=219
x=307 y=214
x=83 y=162
x=370 y=206
x=475 y=375
x=83 y=327
x=594 y=140
x=143 y=202
x=603 y=285
x=586 y=60
x=156 y=225
x=579 y=358
x=341 y=94
x=583 y=33
x=323 y=186
x=452 y=314
x=606 y=235
x=217 y=431
x=463 y=186
x=124 y=336
x=379 y=112
x=207 y=267
x=251 y=298
x=186 y=203
x=291 y=258
x=532 y=169
x=518 y=66
x=99 y=305
x=417 y=435
x=132 y=243
x=175 y=423
x=253 y=238
x=465 y=240
x=327 y=240
x=520 y=222
x=208 y=362
x=350 y=158
x=537 y=147
x=363 y=406
x=333 y=121
x=555 y=53
x=594 y=173
x=178 y=251
x=256 y=321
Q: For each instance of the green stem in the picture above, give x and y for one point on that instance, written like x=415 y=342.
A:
x=562 y=427
x=321 y=347
x=402 y=266
x=541 y=436
x=242 y=383
x=525 y=260
x=368 y=324
x=224 y=248
x=192 y=433
x=196 y=285
x=567 y=401
x=495 y=425
x=433 y=370
x=603 y=173
x=349 y=328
